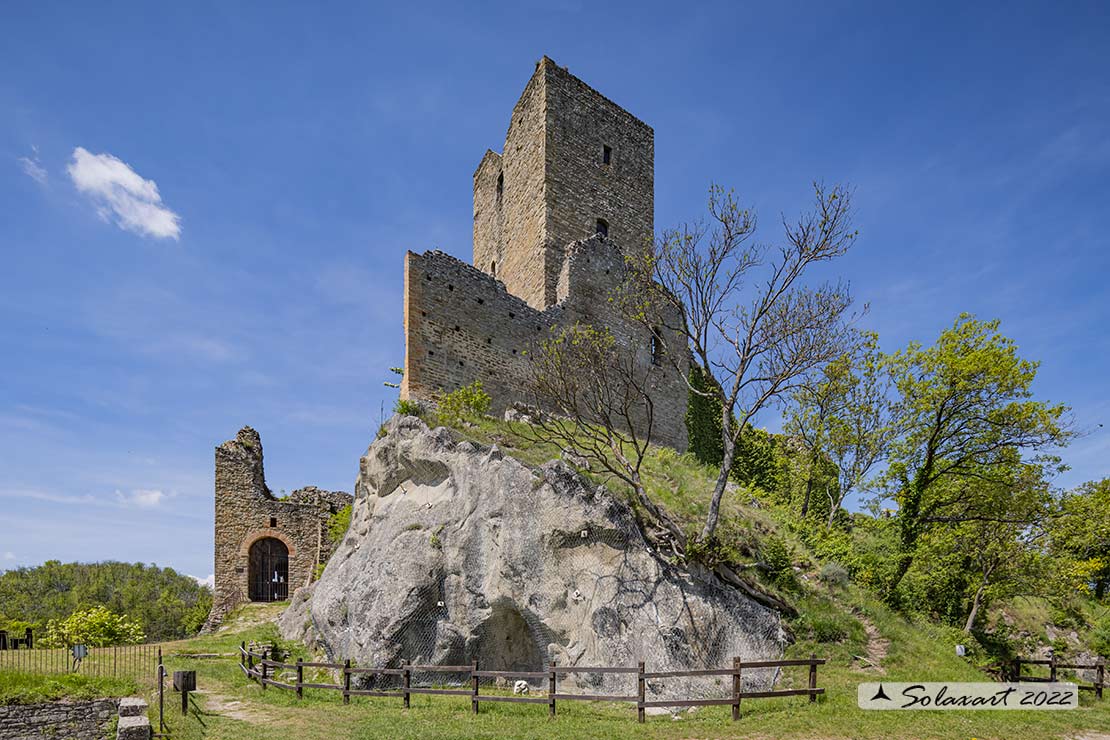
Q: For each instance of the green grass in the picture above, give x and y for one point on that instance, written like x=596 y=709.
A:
x=27 y=688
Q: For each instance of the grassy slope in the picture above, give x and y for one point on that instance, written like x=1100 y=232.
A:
x=24 y=688
x=917 y=651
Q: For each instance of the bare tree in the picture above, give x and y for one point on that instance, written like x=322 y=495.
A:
x=599 y=396
x=740 y=305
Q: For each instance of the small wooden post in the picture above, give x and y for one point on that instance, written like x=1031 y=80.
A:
x=640 y=691
x=406 y=680
x=1052 y=668
x=1100 y=676
x=347 y=681
x=735 y=688
x=474 y=686
x=30 y=639
x=812 y=678
x=300 y=679
x=264 y=667
x=1015 y=675
x=551 y=690
x=242 y=653
x=3 y=639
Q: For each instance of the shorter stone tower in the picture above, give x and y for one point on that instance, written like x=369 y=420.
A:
x=266 y=547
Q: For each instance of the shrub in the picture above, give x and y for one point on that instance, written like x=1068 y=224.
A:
x=1100 y=636
x=775 y=554
x=338 y=524
x=709 y=552
x=407 y=407
x=95 y=627
x=466 y=404
x=834 y=574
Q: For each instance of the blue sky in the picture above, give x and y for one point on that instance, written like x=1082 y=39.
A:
x=204 y=208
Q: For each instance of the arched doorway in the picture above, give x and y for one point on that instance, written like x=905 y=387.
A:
x=269 y=570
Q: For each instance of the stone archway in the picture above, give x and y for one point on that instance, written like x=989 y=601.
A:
x=268 y=570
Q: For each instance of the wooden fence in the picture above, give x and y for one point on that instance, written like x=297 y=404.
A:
x=1099 y=667
x=123 y=661
x=258 y=666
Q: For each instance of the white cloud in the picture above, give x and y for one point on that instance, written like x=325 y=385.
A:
x=210 y=581
x=32 y=167
x=9 y=555
x=119 y=190
x=142 y=498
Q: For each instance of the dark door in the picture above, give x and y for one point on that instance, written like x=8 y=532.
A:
x=269 y=570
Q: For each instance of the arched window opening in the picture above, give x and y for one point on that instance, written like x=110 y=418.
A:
x=602 y=227
x=492 y=271
x=268 y=571
x=500 y=187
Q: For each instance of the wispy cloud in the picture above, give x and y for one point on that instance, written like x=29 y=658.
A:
x=33 y=168
x=120 y=191
x=142 y=498
x=9 y=555
x=210 y=581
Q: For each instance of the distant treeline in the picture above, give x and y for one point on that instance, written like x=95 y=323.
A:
x=168 y=604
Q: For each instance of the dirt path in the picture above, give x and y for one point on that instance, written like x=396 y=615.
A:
x=226 y=707
x=877 y=646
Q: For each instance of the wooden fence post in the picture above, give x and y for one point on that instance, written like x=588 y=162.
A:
x=640 y=692
x=347 y=681
x=813 y=678
x=735 y=688
x=242 y=653
x=300 y=679
x=474 y=686
x=30 y=639
x=406 y=681
x=1052 y=668
x=1100 y=676
x=264 y=667
x=3 y=639
x=551 y=690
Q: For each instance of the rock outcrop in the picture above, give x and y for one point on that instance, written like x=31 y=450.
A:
x=457 y=552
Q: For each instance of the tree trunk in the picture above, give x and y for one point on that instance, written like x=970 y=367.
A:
x=719 y=489
x=975 y=607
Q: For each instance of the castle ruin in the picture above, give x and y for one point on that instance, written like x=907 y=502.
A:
x=555 y=213
x=266 y=547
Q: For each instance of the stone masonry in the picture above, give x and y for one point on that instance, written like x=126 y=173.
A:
x=75 y=720
x=247 y=511
x=554 y=215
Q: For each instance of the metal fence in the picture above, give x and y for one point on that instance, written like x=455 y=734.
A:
x=258 y=666
x=136 y=662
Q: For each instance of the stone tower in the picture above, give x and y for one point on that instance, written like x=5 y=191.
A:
x=574 y=163
x=555 y=214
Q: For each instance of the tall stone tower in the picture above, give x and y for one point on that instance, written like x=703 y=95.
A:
x=574 y=164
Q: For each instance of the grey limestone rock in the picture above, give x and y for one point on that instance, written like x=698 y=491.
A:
x=457 y=554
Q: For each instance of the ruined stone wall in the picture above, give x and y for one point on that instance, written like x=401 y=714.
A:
x=247 y=511
x=463 y=325
x=488 y=245
x=73 y=720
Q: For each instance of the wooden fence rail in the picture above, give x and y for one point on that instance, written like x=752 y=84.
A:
x=1099 y=667
x=257 y=665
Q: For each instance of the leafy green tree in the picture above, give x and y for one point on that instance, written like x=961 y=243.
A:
x=999 y=554
x=95 y=627
x=964 y=409
x=1081 y=534
x=166 y=603
x=466 y=404
x=845 y=417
